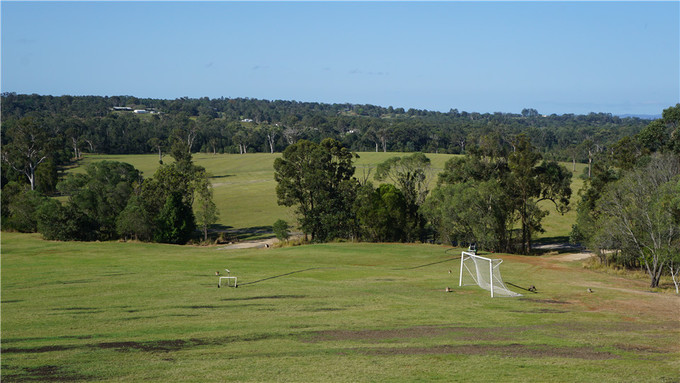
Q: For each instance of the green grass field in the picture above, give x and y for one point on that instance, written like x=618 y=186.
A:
x=338 y=312
x=245 y=190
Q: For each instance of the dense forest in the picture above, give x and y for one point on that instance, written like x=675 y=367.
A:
x=129 y=125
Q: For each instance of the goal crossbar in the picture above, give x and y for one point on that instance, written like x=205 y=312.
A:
x=486 y=277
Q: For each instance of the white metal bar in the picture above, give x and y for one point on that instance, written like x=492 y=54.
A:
x=227 y=278
x=491 y=277
x=462 y=260
x=477 y=256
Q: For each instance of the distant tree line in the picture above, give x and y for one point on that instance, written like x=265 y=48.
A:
x=65 y=127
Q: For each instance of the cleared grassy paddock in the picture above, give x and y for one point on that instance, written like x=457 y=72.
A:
x=333 y=312
x=245 y=190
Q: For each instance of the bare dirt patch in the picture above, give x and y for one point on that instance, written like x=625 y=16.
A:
x=572 y=257
x=261 y=244
x=640 y=349
x=463 y=333
x=551 y=301
x=509 y=351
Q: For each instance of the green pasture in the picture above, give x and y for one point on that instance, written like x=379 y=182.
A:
x=336 y=312
x=245 y=190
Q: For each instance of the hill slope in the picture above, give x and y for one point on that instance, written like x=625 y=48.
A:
x=334 y=312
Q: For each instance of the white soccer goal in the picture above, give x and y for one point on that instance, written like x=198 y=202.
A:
x=227 y=278
x=484 y=272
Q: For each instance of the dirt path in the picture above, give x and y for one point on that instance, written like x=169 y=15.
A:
x=250 y=244
x=572 y=256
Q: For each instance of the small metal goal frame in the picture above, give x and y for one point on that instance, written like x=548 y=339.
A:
x=227 y=278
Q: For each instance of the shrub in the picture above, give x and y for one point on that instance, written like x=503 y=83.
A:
x=280 y=228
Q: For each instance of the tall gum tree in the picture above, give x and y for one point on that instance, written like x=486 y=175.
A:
x=317 y=179
x=635 y=217
x=411 y=175
x=532 y=183
x=27 y=147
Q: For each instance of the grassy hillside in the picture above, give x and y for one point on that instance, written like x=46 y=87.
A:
x=333 y=312
x=245 y=190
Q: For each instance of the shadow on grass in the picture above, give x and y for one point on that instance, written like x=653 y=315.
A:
x=146 y=346
x=231 y=234
x=47 y=373
x=283 y=275
x=266 y=297
x=434 y=263
x=429 y=264
x=520 y=287
x=554 y=245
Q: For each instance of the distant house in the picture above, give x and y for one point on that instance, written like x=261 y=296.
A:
x=141 y=111
x=122 y=108
x=247 y=120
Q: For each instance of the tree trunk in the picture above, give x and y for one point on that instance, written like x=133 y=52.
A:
x=31 y=178
x=75 y=148
x=270 y=139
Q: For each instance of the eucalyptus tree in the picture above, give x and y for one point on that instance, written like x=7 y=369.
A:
x=26 y=145
x=492 y=187
x=532 y=183
x=101 y=193
x=204 y=207
x=317 y=180
x=411 y=174
x=638 y=215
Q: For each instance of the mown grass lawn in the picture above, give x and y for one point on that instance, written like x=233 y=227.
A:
x=118 y=311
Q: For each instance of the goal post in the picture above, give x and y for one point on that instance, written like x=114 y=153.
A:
x=485 y=273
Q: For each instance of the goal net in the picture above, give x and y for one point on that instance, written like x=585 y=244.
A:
x=485 y=273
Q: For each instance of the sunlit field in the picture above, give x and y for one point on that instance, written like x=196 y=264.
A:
x=245 y=190
x=331 y=312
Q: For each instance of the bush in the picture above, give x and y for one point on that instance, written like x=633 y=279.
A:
x=19 y=205
x=64 y=223
x=280 y=228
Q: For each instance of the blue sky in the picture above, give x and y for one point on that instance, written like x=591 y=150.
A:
x=556 y=57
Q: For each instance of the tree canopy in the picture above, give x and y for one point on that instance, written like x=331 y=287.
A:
x=317 y=180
